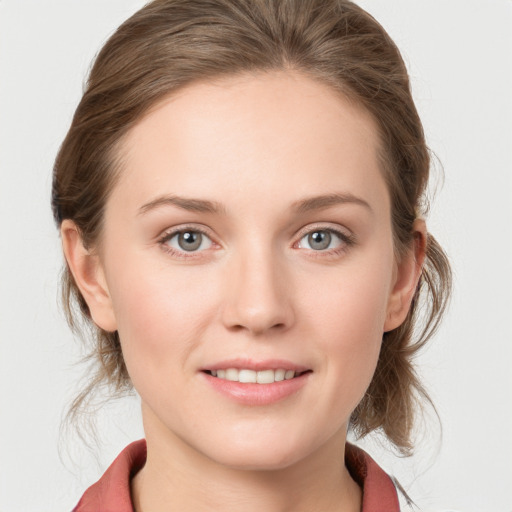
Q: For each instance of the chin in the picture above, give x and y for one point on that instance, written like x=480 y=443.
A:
x=261 y=454
x=259 y=461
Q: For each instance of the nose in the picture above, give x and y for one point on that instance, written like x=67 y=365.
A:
x=259 y=295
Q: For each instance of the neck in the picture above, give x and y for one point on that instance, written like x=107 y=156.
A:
x=177 y=477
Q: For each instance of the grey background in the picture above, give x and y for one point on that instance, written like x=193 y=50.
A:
x=459 y=53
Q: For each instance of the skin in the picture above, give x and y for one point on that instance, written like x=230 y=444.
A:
x=255 y=145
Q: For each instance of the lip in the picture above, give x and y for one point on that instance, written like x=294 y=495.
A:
x=250 y=364
x=256 y=394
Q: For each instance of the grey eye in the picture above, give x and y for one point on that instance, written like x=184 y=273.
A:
x=189 y=241
x=320 y=240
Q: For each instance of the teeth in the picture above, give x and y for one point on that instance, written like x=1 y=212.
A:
x=246 y=375
x=232 y=374
x=251 y=376
x=265 y=377
x=279 y=375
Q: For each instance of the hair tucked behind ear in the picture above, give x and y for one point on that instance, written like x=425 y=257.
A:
x=395 y=393
x=171 y=43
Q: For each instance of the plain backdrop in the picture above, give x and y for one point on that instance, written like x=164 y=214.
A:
x=459 y=53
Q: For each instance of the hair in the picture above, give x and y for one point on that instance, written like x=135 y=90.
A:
x=169 y=44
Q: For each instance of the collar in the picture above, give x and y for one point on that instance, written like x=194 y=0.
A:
x=111 y=493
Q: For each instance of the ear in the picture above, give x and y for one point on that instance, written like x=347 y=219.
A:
x=89 y=276
x=407 y=275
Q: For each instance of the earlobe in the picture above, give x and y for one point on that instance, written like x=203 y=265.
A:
x=89 y=276
x=407 y=275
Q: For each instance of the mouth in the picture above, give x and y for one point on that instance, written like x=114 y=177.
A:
x=246 y=375
x=251 y=382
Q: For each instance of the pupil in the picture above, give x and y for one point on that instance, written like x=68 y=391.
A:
x=319 y=240
x=189 y=240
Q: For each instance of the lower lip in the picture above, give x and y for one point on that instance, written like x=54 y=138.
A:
x=257 y=394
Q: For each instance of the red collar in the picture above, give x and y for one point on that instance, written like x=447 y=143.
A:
x=111 y=493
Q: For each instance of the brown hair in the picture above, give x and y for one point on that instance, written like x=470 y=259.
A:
x=171 y=43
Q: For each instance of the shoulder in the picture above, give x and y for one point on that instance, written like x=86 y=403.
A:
x=111 y=493
x=379 y=492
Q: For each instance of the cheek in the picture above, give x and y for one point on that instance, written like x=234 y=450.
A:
x=349 y=316
x=352 y=302
x=160 y=314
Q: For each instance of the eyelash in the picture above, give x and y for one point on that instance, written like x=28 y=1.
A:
x=168 y=235
x=347 y=241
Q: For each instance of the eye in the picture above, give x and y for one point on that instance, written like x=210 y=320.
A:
x=188 y=240
x=322 y=239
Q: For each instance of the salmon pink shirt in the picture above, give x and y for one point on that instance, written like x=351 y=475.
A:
x=111 y=493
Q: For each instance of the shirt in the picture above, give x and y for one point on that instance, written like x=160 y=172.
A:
x=111 y=493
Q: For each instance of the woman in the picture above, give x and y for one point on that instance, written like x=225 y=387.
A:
x=240 y=203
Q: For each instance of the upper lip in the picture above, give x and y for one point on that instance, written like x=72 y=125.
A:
x=251 y=364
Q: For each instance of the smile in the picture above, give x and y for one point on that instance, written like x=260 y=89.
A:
x=255 y=377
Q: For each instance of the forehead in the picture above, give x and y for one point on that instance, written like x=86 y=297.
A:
x=270 y=133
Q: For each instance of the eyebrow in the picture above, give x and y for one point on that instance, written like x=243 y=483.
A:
x=328 y=200
x=189 y=204
x=301 y=206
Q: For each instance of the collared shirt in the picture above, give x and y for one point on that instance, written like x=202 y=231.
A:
x=112 y=492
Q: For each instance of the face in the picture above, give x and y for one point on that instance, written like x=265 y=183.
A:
x=249 y=239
